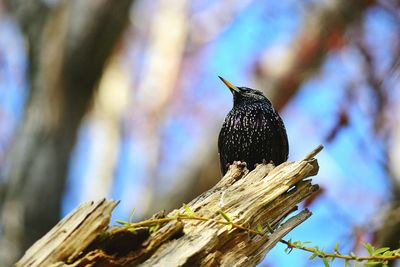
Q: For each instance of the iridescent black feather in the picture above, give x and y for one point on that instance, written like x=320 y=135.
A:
x=252 y=131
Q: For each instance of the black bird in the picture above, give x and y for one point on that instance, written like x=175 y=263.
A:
x=252 y=131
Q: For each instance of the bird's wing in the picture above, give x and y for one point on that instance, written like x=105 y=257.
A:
x=280 y=139
x=222 y=147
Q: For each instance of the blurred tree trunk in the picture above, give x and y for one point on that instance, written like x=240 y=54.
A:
x=69 y=43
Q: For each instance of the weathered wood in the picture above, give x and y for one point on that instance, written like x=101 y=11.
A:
x=265 y=196
x=71 y=235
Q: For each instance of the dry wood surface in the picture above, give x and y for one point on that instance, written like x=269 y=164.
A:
x=267 y=197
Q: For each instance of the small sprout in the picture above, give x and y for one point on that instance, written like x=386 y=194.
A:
x=124 y=223
x=381 y=250
x=326 y=262
x=313 y=256
x=188 y=210
x=369 y=248
x=336 y=248
x=226 y=216
x=388 y=253
x=260 y=229
x=154 y=228
x=132 y=230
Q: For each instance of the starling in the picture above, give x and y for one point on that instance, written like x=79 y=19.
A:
x=252 y=131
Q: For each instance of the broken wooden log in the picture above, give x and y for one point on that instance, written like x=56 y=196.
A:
x=235 y=223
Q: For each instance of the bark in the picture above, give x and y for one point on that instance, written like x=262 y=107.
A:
x=69 y=44
x=265 y=196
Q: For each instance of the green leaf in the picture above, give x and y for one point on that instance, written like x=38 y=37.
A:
x=226 y=216
x=336 y=248
x=381 y=250
x=326 y=261
x=188 y=210
x=313 y=256
x=132 y=230
x=347 y=263
x=353 y=255
x=260 y=228
x=153 y=228
x=388 y=253
x=125 y=223
x=369 y=248
x=288 y=249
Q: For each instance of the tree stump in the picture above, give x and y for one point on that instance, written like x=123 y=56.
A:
x=262 y=199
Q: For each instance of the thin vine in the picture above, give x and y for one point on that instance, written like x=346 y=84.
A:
x=376 y=255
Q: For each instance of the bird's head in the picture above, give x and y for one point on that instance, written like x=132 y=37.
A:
x=245 y=95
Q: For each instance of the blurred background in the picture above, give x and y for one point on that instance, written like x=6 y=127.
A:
x=121 y=99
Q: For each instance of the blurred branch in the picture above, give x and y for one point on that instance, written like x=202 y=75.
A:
x=391 y=7
x=384 y=129
x=323 y=31
x=222 y=226
x=72 y=44
x=377 y=88
x=31 y=17
x=207 y=25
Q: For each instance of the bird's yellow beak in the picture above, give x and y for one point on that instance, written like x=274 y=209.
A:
x=229 y=85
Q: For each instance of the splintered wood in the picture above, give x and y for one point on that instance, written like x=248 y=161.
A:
x=265 y=197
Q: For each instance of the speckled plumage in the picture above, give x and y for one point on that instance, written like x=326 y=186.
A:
x=252 y=131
